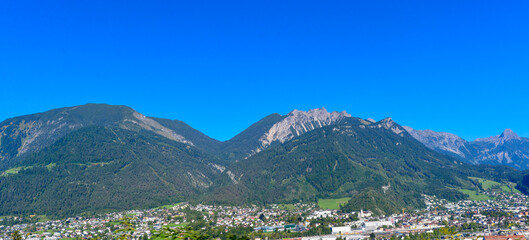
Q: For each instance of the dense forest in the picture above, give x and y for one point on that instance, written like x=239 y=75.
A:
x=98 y=158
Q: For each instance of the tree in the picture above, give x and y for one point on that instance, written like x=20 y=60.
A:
x=234 y=237
x=181 y=233
x=16 y=235
x=127 y=228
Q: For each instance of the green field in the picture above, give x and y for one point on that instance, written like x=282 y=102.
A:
x=474 y=195
x=13 y=171
x=332 y=203
x=50 y=166
x=488 y=185
x=510 y=188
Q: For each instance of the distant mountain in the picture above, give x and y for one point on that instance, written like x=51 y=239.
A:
x=21 y=136
x=378 y=164
x=96 y=168
x=505 y=149
x=98 y=157
x=276 y=129
x=443 y=142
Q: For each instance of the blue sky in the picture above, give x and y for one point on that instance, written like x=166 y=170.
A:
x=455 y=66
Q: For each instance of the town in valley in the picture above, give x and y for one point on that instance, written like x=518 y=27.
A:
x=500 y=215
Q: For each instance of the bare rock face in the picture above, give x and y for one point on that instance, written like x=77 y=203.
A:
x=27 y=134
x=389 y=124
x=149 y=124
x=440 y=141
x=19 y=136
x=507 y=135
x=505 y=149
x=299 y=122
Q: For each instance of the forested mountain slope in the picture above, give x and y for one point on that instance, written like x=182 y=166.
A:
x=379 y=164
x=102 y=168
x=21 y=136
x=98 y=157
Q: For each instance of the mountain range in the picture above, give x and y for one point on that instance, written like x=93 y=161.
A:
x=505 y=149
x=97 y=157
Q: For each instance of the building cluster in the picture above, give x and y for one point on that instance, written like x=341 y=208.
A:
x=504 y=214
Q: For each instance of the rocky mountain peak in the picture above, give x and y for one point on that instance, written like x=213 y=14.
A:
x=505 y=136
x=388 y=119
x=371 y=120
x=389 y=124
x=319 y=113
x=440 y=141
x=488 y=150
x=508 y=135
x=298 y=122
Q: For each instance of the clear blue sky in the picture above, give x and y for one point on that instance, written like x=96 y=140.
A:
x=455 y=66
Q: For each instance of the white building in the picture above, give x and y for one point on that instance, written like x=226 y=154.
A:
x=376 y=224
x=320 y=214
x=363 y=214
x=344 y=229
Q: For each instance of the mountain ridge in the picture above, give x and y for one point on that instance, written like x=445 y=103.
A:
x=20 y=136
x=301 y=156
x=506 y=148
x=346 y=159
x=97 y=168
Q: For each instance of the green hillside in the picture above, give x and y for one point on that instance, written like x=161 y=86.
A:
x=375 y=167
x=21 y=136
x=245 y=142
x=96 y=169
x=332 y=203
x=97 y=157
x=489 y=185
x=199 y=139
x=473 y=195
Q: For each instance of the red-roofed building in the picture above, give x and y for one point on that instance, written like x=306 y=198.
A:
x=508 y=237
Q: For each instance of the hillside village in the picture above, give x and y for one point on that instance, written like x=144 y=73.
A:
x=503 y=214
